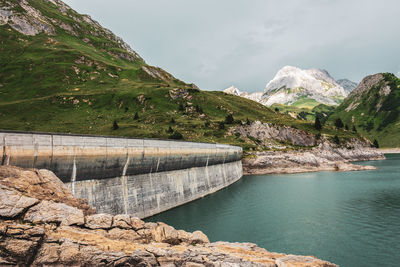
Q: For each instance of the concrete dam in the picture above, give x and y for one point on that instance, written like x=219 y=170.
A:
x=118 y=175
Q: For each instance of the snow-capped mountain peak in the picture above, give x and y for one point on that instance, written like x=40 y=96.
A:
x=291 y=84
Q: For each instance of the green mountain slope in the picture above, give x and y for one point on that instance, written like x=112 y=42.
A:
x=374 y=109
x=62 y=72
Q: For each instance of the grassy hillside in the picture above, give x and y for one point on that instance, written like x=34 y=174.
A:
x=80 y=78
x=302 y=112
x=374 y=109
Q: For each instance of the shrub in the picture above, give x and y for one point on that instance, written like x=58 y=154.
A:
x=221 y=125
x=176 y=136
x=229 y=119
x=199 y=109
x=170 y=130
x=172 y=120
x=370 y=126
x=136 y=117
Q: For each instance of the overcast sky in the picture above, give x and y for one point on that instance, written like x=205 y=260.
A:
x=218 y=43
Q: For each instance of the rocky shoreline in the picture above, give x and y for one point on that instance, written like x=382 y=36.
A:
x=325 y=157
x=390 y=150
x=42 y=224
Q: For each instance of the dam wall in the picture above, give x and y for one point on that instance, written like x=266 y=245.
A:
x=124 y=175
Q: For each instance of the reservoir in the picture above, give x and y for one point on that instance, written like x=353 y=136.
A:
x=348 y=218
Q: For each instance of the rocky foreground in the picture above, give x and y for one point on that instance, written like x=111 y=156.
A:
x=325 y=157
x=42 y=224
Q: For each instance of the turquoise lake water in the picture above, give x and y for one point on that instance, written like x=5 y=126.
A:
x=348 y=218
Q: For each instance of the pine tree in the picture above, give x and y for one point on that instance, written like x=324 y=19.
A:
x=336 y=139
x=248 y=122
x=115 y=125
x=136 y=117
x=354 y=129
x=376 y=144
x=172 y=120
x=339 y=123
x=318 y=124
x=170 y=130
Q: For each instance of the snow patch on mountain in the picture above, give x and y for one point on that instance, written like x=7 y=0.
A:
x=253 y=96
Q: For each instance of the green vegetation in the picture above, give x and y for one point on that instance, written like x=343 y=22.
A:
x=81 y=84
x=317 y=124
x=375 y=113
x=305 y=113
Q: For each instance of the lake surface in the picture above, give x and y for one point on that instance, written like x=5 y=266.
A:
x=349 y=218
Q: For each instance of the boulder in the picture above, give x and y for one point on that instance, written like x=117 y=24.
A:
x=122 y=221
x=13 y=203
x=99 y=221
x=51 y=212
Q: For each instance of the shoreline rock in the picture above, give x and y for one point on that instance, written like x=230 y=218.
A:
x=61 y=231
x=325 y=157
x=390 y=150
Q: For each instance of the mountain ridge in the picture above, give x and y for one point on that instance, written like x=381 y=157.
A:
x=373 y=109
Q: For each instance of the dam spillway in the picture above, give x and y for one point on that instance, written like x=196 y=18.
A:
x=116 y=175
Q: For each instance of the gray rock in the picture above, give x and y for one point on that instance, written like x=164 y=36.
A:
x=51 y=212
x=122 y=221
x=13 y=203
x=99 y=221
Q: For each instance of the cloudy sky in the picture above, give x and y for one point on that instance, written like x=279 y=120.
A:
x=244 y=43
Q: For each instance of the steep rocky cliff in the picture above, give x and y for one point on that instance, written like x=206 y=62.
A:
x=38 y=228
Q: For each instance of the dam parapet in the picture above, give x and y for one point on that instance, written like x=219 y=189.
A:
x=125 y=175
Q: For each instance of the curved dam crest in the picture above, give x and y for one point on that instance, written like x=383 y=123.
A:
x=117 y=175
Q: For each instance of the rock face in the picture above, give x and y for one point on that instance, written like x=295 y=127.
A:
x=43 y=237
x=266 y=133
x=325 y=157
x=26 y=19
x=291 y=84
x=348 y=85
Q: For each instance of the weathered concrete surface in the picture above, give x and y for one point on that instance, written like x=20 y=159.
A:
x=148 y=194
x=123 y=175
